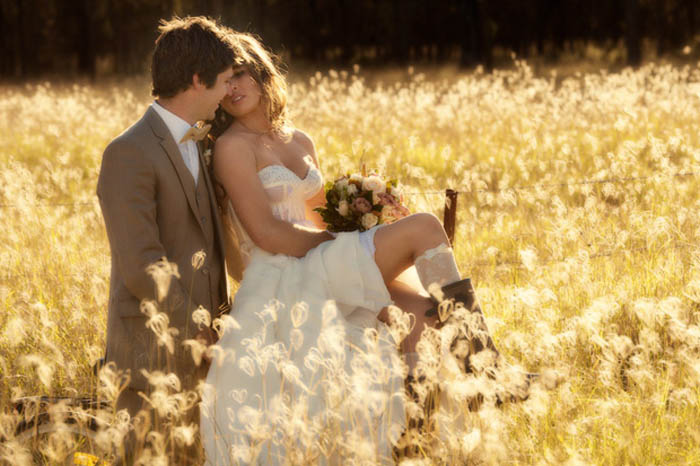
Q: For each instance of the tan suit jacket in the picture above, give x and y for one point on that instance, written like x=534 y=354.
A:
x=153 y=211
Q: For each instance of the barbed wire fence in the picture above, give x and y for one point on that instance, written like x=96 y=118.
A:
x=451 y=195
x=450 y=208
x=48 y=204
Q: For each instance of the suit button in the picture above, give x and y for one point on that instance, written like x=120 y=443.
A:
x=205 y=270
x=204 y=220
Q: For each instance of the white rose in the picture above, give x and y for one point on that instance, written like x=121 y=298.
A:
x=352 y=190
x=375 y=198
x=343 y=208
x=369 y=220
x=356 y=177
x=341 y=183
x=374 y=183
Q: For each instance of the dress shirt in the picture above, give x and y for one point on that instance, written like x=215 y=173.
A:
x=178 y=127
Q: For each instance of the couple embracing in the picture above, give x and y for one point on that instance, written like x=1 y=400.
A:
x=214 y=181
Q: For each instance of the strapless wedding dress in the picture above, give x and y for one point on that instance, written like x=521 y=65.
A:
x=306 y=372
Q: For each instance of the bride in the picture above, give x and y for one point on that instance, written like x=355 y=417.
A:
x=307 y=369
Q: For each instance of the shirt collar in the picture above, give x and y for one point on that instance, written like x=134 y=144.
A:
x=177 y=126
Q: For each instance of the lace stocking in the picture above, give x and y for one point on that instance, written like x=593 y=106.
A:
x=437 y=266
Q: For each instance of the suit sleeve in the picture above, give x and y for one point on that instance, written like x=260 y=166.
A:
x=126 y=189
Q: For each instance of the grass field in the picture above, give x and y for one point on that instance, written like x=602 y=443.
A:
x=577 y=221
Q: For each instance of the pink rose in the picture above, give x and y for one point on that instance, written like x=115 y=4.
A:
x=361 y=205
x=387 y=199
x=401 y=211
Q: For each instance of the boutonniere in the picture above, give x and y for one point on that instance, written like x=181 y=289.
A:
x=207 y=157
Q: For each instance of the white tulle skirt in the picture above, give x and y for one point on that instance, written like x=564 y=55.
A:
x=306 y=373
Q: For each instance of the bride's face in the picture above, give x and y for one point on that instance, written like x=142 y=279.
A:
x=245 y=96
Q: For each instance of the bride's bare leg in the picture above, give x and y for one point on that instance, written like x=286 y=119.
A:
x=399 y=244
x=420 y=239
x=410 y=301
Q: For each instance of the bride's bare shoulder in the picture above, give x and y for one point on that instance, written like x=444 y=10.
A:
x=233 y=143
x=303 y=139
x=233 y=153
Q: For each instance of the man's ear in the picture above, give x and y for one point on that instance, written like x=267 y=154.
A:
x=197 y=83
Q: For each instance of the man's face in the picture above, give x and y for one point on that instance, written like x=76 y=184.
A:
x=211 y=97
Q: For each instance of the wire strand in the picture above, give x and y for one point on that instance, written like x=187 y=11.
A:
x=563 y=185
x=435 y=192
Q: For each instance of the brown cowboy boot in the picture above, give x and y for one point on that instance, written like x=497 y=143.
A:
x=473 y=338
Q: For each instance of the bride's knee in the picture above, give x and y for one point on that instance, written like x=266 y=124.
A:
x=428 y=227
x=423 y=222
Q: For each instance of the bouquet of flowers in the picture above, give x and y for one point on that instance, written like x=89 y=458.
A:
x=358 y=202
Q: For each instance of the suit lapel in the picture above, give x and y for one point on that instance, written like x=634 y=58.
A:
x=170 y=148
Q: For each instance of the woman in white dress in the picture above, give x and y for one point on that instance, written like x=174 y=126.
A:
x=307 y=370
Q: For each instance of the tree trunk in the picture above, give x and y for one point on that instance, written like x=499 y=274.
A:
x=217 y=8
x=482 y=34
x=691 y=7
x=7 y=63
x=401 y=28
x=29 y=31
x=213 y=8
x=167 y=8
x=119 y=39
x=632 y=35
x=85 y=45
x=660 y=22
x=21 y=44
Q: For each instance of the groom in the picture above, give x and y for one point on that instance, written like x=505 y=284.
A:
x=159 y=207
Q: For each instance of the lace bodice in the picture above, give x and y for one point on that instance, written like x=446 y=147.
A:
x=287 y=194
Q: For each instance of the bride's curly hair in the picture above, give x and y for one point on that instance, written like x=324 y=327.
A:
x=267 y=70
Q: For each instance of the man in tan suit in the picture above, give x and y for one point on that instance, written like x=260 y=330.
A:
x=159 y=207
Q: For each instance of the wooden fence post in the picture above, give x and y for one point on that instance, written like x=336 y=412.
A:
x=450 y=216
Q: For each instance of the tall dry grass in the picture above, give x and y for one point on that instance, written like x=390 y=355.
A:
x=599 y=282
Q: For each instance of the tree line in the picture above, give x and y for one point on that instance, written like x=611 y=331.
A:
x=91 y=37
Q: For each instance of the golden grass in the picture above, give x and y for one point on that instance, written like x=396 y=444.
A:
x=597 y=281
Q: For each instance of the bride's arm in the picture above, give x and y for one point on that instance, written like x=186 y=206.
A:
x=319 y=199
x=236 y=170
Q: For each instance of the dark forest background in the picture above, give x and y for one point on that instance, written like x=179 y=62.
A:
x=97 y=37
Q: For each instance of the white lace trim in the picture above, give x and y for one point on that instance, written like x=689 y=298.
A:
x=440 y=248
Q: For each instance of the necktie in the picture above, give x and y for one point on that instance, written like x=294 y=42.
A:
x=195 y=133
